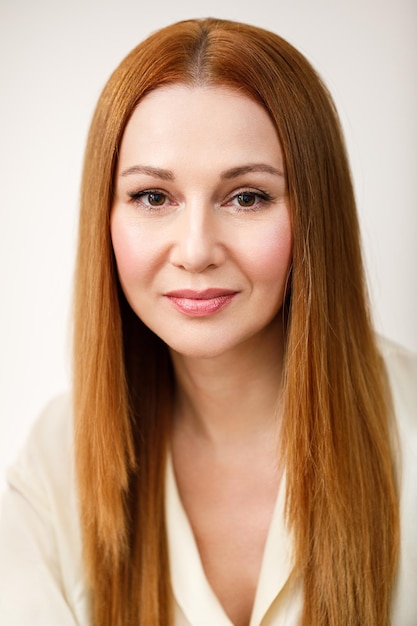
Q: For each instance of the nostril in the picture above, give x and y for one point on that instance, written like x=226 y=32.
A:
x=197 y=246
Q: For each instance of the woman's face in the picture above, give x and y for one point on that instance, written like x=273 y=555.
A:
x=200 y=223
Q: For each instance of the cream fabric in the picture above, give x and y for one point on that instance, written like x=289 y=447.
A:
x=278 y=597
x=41 y=575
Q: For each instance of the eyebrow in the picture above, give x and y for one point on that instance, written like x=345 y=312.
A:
x=233 y=172
x=157 y=172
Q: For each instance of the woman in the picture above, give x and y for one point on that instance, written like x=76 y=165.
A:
x=235 y=449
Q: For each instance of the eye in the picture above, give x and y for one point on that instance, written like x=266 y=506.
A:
x=149 y=198
x=156 y=198
x=251 y=200
x=247 y=199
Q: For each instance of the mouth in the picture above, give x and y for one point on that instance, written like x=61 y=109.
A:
x=200 y=303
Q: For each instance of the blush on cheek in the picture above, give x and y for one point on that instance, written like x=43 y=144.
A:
x=123 y=252
x=130 y=250
x=271 y=254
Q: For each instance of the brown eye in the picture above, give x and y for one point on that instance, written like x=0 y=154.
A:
x=246 y=199
x=156 y=198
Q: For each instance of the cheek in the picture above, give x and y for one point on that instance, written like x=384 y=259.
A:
x=132 y=251
x=270 y=253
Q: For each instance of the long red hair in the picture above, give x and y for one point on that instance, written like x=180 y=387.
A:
x=341 y=495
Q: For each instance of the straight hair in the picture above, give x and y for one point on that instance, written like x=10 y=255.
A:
x=341 y=501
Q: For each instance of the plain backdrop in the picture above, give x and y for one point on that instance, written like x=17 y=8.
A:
x=54 y=60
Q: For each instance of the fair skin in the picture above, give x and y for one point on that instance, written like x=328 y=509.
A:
x=202 y=237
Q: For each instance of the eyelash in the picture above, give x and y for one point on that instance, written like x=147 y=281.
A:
x=136 y=198
x=262 y=198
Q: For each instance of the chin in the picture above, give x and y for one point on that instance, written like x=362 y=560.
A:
x=212 y=346
x=199 y=351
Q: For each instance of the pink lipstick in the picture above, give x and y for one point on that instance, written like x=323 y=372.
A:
x=200 y=303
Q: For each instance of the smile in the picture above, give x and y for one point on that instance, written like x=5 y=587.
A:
x=200 y=303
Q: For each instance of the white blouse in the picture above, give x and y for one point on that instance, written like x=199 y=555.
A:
x=41 y=573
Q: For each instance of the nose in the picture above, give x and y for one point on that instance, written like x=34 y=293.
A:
x=197 y=244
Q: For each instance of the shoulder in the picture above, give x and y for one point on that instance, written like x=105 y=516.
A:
x=397 y=356
x=47 y=456
x=53 y=423
x=401 y=368
x=40 y=540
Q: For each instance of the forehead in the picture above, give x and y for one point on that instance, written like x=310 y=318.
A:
x=216 y=120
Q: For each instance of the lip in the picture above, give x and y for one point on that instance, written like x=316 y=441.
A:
x=200 y=303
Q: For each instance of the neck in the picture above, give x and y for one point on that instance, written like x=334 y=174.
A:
x=235 y=397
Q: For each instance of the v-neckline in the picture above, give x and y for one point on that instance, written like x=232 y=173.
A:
x=191 y=588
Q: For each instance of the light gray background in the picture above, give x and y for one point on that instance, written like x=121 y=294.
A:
x=54 y=60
